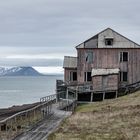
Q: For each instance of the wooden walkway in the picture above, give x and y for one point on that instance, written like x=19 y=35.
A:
x=38 y=122
x=46 y=126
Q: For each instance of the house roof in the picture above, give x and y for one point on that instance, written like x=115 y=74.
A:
x=70 y=62
x=82 y=45
x=98 y=72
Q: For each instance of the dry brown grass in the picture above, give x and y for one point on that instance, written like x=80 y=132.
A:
x=117 y=119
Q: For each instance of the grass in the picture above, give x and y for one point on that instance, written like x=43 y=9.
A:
x=116 y=119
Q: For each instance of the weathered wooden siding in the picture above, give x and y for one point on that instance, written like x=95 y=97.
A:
x=119 y=40
x=105 y=83
x=92 y=43
x=109 y=58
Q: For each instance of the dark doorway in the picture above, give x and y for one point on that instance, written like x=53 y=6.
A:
x=98 y=97
x=110 y=95
x=84 y=97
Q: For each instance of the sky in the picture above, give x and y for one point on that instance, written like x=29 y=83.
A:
x=40 y=33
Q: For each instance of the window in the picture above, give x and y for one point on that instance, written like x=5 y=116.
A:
x=88 y=76
x=89 y=57
x=123 y=76
x=109 y=41
x=73 y=76
x=123 y=56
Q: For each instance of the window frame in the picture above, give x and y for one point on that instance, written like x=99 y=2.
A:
x=86 y=78
x=121 y=56
x=71 y=76
x=122 y=76
x=111 y=41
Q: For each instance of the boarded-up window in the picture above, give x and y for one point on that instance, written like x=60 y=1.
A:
x=73 y=76
x=87 y=77
x=123 y=56
x=89 y=57
x=123 y=76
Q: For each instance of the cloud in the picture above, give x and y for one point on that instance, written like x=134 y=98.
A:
x=34 y=56
x=63 y=23
x=50 y=70
x=39 y=32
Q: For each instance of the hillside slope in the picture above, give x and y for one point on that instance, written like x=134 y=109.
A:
x=117 y=119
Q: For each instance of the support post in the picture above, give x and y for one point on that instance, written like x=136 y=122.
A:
x=16 y=123
x=56 y=97
x=77 y=93
x=103 y=96
x=0 y=130
x=91 y=99
x=116 y=94
x=67 y=94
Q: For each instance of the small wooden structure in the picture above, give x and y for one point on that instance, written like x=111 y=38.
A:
x=105 y=80
x=70 y=65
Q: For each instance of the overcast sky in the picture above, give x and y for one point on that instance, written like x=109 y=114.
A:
x=41 y=32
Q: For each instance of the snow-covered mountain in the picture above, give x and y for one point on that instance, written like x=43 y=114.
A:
x=18 y=71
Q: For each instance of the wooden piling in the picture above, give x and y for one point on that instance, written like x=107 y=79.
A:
x=103 y=96
x=91 y=99
x=116 y=94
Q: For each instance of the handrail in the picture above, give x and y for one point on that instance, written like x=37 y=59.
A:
x=48 y=98
x=29 y=110
x=22 y=112
x=133 y=84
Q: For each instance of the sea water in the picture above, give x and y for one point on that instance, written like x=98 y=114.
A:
x=16 y=90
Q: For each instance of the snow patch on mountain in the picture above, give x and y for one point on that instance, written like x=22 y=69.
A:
x=18 y=71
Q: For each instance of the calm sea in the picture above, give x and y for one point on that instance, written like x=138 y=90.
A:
x=24 y=90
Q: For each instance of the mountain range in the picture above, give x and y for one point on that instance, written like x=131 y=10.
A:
x=18 y=71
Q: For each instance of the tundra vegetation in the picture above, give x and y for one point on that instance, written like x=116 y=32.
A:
x=116 y=119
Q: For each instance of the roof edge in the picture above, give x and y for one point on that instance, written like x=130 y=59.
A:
x=104 y=31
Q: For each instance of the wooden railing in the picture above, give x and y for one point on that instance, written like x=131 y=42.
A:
x=67 y=104
x=131 y=87
x=17 y=123
x=48 y=98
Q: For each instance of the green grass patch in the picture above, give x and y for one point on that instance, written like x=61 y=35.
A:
x=116 y=119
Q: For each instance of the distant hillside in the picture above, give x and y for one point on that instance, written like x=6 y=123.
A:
x=19 y=71
x=116 y=119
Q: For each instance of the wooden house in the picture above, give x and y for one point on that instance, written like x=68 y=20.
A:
x=106 y=62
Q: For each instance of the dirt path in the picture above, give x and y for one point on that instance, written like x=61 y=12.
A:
x=44 y=128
